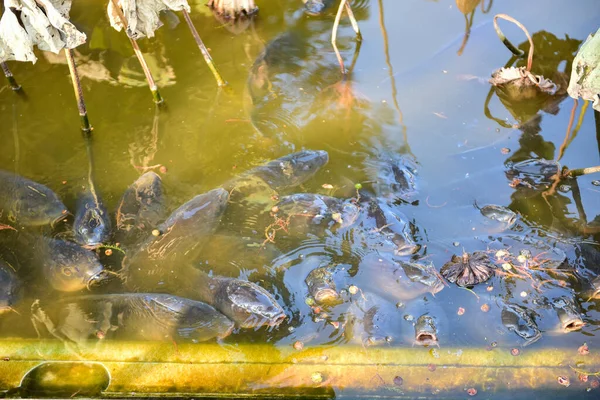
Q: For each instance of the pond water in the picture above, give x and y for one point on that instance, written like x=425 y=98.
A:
x=417 y=96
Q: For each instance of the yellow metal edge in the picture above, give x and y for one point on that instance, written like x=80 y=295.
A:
x=267 y=370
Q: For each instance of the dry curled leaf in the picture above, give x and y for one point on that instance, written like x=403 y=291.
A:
x=468 y=269
x=142 y=16
x=234 y=8
x=522 y=81
x=41 y=23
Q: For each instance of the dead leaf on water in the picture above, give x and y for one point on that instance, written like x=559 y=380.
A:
x=142 y=16
x=41 y=23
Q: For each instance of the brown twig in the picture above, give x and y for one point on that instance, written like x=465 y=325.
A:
x=343 y=5
x=508 y=44
x=85 y=123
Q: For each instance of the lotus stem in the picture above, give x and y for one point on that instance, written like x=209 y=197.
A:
x=336 y=24
x=573 y=173
x=9 y=76
x=507 y=42
x=353 y=21
x=468 y=25
x=209 y=61
x=138 y=53
x=85 y=123
x=597 y=119
x=484 y=9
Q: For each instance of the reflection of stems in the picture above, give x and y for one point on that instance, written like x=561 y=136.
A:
x=572 y=173
x=508 y=44
x=336 y=23
x=469 y=23
x=578 y=203
x=391 y=69
x=138 y=53
x=85 y=123
x=565 y=142
x=9 y=76
x=203 y=50
x=579 y=121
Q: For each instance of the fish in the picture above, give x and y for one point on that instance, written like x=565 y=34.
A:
x=393 y=226
x=130 y=316
x=518 y=319
x=315 y=213
x=141 y=208
x=392 y=176
x=92 y=226
x=10 y=287
x=377 y=327
x=498 y=213
x=184 y=233
x=244 y=302
x=321 y=286
x=568 y=314
x=316 y=7
x=67 y=267
x=283 y=173
x=28 y=203
x=397 y=280
x=426 y=331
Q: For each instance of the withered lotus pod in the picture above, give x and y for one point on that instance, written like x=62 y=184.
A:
x=468 y=269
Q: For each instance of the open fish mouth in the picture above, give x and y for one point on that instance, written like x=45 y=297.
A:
x=407 y=249
x=61 y=217
x=326 y=296
x=572 y=325
x=426 y=339
x=100 y=279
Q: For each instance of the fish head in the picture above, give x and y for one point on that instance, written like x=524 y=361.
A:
x=296 y=168
x=316 y=7
x=37 y=208
x=249 y=305
x=92 y=226
x=425 y=331
x=321 y=286
x=70 y=268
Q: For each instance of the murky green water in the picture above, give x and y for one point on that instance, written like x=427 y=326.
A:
x=412 y=95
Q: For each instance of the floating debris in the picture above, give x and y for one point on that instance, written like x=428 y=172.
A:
x=471 y=391
x=563 y=380
x=583 y=350
x=515 y=352
x=468 y=270
x=460 y=311
x=398 y=381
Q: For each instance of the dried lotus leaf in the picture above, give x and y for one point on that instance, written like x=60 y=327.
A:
x=585 y=74
x=234 y=8
x=44 y=23
x=142 y=16
x=523 y=80
x=468 y=270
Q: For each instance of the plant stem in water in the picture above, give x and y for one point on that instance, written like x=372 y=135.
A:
x=138 y=53
x=353 y=21
x=85 y=123
x=572 y=173
x=9 y=76
x=336 y=23
x=507 y=42
x=204 y=50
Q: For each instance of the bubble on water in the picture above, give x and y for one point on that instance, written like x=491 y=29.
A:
x=564 y=188
x=596 y=183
